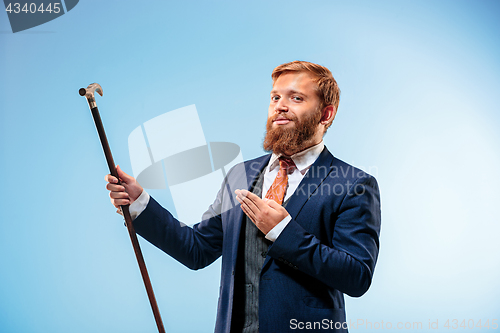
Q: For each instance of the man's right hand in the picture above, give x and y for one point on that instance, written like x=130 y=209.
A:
x=125 y=193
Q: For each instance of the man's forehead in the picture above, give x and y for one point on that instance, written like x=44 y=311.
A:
x=294 y=82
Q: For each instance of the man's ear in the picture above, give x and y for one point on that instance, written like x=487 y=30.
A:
x=328 y=114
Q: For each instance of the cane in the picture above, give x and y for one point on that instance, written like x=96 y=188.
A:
x=89 y=94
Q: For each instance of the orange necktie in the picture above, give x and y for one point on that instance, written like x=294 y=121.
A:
x=277 y=190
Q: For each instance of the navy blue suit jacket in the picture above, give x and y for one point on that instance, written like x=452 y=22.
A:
x=329 y=247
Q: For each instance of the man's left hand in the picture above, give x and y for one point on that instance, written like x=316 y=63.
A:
x=265 y=214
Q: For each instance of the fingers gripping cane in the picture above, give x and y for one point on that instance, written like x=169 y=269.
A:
x=89 y=94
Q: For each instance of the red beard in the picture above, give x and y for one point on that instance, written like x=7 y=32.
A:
x=290 y=140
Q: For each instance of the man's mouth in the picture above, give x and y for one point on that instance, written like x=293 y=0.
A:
x=281 y=120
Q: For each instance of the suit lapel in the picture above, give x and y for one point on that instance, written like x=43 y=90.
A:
x=311 y=181
x=254 y=170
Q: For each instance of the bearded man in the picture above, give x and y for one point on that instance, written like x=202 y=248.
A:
x=307 y=227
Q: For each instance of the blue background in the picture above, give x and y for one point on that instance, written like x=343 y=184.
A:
x=419 y=110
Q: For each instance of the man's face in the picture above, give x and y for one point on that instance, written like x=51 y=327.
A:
x=294 y=116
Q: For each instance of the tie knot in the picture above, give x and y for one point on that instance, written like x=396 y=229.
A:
x=287 y=164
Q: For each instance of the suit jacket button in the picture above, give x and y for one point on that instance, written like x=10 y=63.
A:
x=264 y=254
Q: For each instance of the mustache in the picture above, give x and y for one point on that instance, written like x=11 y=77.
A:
x=283 y=116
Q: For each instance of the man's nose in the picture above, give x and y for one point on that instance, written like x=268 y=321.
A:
x=281 y=106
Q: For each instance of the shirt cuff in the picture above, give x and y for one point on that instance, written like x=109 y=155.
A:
x=138 y=206
x=273 y=234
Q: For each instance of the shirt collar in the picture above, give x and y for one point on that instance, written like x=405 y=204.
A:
x=303 y=159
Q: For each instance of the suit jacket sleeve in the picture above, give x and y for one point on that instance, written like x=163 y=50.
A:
x=195 y=247
x=346 y=259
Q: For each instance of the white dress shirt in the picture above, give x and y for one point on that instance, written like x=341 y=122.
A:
x=303 y=161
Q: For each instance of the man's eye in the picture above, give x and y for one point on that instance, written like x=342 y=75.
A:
x=297 y=98
x=275 y=98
